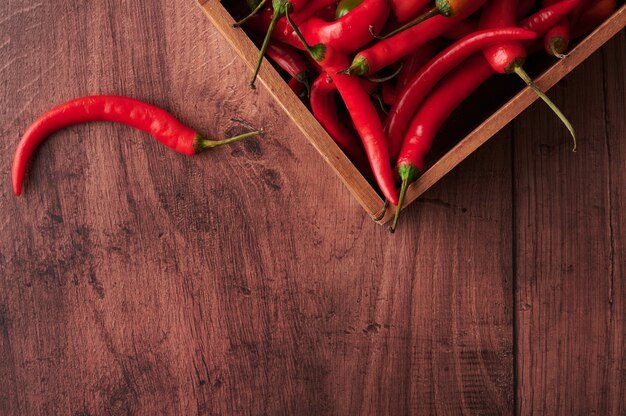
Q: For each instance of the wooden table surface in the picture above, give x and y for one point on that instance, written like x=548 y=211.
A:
x=247 y=281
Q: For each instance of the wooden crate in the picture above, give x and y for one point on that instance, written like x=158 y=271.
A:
x=347 y=172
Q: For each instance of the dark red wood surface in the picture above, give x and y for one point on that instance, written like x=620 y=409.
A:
x=248 y=281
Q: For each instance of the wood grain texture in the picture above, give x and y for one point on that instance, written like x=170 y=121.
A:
x=570 y=246
x=248 y=280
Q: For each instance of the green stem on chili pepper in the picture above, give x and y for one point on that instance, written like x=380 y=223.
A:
x=408 y=174
x=447 y=8
x=134 y=113
x=385 y=78
x=280 y=8
x=524 y=76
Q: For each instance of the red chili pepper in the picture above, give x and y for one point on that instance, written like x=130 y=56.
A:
x=140 y=115
x=407 y=9
x=363 y=113
x=324 y=108
x=389 y=51
x=556 y=41
x=508 y=58
x=421 y=84
x=434 y=111
x=350 y=32
x=290 y=60
x=546 y=18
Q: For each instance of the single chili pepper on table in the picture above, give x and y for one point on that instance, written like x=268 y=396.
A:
x=289 y=59
x=155 y=121
x=432 y=114
x=508 y=58
x=421 y=84
x=362 y=112
x=391 y=50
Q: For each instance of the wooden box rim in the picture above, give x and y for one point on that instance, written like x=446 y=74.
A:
x=365 y=194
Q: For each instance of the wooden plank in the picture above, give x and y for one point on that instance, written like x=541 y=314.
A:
x=244 y=281
x=570 y=246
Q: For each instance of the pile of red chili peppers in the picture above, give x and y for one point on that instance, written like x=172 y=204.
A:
x=383 y=76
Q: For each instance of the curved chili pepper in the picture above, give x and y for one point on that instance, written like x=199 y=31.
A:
x=389 y=51
x=324 y=108
x=434 y=111
x=363 y=113
x=421 y=84
x=508 y=58
x=153 y=120
x=290 y=60
x=447 y=8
